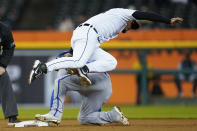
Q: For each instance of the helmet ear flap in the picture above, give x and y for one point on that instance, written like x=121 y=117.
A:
x=135 y=25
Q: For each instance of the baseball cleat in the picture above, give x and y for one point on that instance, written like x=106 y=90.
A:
x=122 y=118
x=34 y=72
x=48 y=118
x=83 y=79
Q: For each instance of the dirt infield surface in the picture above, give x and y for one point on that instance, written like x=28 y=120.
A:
x=136 y=125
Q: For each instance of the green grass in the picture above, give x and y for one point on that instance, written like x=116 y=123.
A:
x=131 y=112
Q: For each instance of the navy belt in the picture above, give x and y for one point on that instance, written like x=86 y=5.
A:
x=91 y=26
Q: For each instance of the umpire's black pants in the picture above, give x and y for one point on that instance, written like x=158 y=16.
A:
x=7 y=96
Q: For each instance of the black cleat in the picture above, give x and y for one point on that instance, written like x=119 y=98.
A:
x=13 y=120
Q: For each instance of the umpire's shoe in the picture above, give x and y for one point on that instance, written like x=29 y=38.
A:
x=48 y=118
x=121 y=117
x=83 y=78
x=38 y=69
x=13 y=120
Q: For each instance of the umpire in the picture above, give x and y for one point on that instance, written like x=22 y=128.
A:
x=7 y=97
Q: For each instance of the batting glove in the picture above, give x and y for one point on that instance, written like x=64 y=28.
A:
x=38 y=69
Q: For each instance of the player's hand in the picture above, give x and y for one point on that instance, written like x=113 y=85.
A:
x=175 y=20
x=2 y=70
x=39 y=68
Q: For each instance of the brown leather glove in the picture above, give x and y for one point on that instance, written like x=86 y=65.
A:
x=71 y=71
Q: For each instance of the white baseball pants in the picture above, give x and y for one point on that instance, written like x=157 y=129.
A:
x=85 y=48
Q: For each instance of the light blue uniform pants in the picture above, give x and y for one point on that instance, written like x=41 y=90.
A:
x=93 y=97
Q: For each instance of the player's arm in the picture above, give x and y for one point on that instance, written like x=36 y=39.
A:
x=152 y=16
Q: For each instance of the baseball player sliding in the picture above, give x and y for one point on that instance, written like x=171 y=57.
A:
x=87 y=38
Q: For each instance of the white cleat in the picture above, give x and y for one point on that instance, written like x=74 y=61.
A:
x=34 y=72
x=122 y=119
x=48 y=118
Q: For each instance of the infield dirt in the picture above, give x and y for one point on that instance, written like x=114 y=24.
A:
x=136 y=125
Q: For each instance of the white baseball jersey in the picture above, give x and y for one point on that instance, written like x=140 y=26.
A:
x=87 y=38
x=110 y=23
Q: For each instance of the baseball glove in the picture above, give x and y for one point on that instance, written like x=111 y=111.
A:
x=81 y=72
x=70 y=71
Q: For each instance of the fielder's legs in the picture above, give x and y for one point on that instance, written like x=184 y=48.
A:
x=93 y=98
x=93 y=101
x=57 y=102
x=60 y=91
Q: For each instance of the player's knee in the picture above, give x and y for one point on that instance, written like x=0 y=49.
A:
x=85 y=119
x=82 y=120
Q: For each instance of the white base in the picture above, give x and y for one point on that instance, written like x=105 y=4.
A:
x=31 y=123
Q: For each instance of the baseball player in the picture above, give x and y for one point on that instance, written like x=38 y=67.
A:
x=93 y=97
x=6 y=92
x=87 y=38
